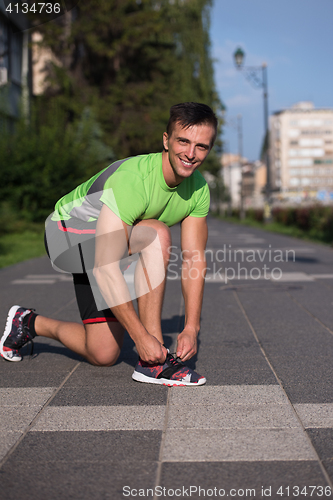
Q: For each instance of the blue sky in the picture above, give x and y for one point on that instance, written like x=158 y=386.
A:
x=294 y=38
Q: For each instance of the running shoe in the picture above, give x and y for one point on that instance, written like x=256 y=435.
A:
x=16 y=333
x=172 y=372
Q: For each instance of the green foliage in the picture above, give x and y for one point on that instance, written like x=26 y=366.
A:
x=313 y=221
x=131 y=60
x=120 y=65
x=256 y=214
x=46 y=157
x=316 y=220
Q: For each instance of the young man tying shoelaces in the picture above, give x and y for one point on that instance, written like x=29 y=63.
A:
x=121 y=214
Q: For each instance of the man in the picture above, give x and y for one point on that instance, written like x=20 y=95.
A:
x=95 y=232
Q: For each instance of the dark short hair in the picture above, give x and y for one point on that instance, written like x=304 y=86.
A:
x=188 y=114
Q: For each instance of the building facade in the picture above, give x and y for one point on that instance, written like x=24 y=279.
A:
x=301 y=153
x=232 y=176
x=15 y=67
x=245 y=181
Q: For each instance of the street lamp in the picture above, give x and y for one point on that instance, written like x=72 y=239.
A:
x=257 y=75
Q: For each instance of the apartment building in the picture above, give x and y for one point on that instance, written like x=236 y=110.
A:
x=301 y=149
x=232 y=176
x=244 y=179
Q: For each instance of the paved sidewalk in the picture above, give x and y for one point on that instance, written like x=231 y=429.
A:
x=261 y=427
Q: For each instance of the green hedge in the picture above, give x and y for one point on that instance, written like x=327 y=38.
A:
x=316 y=220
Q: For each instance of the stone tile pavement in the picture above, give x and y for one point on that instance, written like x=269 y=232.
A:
x=261 y=427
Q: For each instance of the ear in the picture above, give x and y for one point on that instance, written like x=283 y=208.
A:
x=165 y=141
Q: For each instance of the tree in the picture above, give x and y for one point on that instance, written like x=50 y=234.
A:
x=130 y=60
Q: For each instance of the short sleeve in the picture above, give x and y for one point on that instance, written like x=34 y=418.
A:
x=201 y=208
x=125 y=195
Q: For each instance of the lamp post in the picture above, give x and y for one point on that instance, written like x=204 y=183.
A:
x=257 y=75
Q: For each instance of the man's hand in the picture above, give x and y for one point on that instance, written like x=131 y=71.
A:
x=187 y=344
x=150 y=350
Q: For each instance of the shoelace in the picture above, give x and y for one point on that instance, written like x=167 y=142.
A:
x=174 y=359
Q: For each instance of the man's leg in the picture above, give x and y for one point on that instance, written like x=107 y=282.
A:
x=99 y=343
x=152 y=258
x=154 y=255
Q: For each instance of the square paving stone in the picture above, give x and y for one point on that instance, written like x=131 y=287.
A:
x=221 y=479
x=242 y=445
x=112 y=393
x=88 y=446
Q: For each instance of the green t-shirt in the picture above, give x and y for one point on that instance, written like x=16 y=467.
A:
x=135 y=189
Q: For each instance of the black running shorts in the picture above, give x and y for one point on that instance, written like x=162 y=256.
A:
x=71 y=248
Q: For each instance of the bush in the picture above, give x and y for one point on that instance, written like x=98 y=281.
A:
x=317 y=220
x=256 y=214
x=45 y=158
x=286 y=216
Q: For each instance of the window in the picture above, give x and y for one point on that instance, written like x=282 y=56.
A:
x=16 y=56
x=327 y=160
x=311 y=142
x=298 y=162
x=312 y=152
x=307 y=171
x=4 y=44
x=293 y=132
x=315 y=152
x=11 y=51
x=305 y=123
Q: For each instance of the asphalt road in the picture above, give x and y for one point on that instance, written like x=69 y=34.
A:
x=261 y=427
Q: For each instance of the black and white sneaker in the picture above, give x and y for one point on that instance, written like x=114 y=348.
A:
x=16 y=333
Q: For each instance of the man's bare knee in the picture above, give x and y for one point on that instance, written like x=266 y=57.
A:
x=102 y=359
x=103 y=343
x=148 y=231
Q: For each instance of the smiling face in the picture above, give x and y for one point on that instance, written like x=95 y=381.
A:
x=185 y=150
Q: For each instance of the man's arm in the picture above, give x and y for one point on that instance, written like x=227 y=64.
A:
x=194 y=234
x=112 y=237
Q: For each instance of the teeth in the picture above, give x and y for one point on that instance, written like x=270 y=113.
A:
x=186 y=163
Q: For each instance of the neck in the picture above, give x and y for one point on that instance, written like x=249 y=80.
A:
x=170 y=177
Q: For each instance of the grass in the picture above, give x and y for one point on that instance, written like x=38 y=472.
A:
x=276 y=227
x=20 y=246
